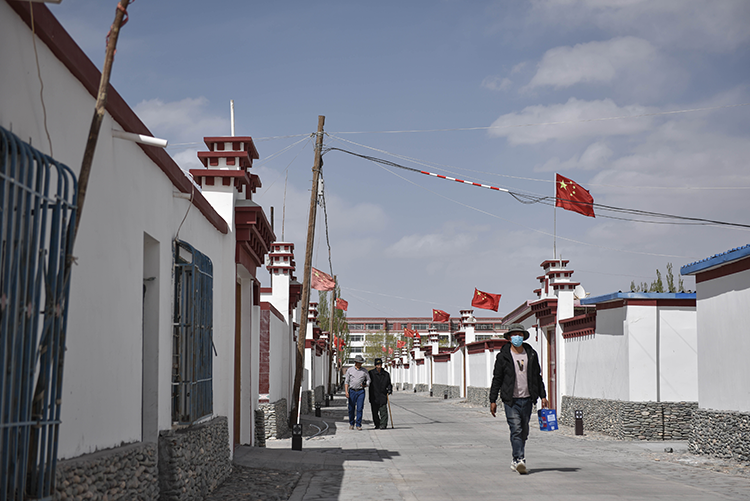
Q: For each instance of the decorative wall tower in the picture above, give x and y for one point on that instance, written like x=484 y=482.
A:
x=468 y=322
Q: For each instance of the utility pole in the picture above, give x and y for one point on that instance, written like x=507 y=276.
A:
x=305 y=305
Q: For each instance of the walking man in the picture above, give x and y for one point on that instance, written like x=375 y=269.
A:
x=380 y=388
x=518 y=379
x=356 y=380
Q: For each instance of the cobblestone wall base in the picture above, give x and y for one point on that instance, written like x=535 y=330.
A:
x=631 y=420
x=422 y=387
x=193 y=461
x=439 y=390
x=320 y=395
x=404 y=386
x=721 y=434
x=306 y=402
x=275 y=419
x=478 y=396
x=127 y=472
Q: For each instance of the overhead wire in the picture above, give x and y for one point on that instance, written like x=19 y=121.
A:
x=549 y=200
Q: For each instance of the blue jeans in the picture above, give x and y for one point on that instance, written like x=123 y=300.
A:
x=518 y=415
x=356 y=401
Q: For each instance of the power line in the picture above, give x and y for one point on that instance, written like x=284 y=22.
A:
x=548 y=200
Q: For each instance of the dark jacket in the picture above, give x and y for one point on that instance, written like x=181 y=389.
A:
x=380 y=386
x=504 y=376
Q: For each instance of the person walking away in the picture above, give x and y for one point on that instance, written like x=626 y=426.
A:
x=356 y=379
x=518 y=379
x=380 y=388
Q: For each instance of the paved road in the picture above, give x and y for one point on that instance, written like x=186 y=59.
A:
x=445 y=450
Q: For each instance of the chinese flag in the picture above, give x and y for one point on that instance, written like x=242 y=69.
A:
x=384 y=349
x=485 y=300
x=321 y=281
x=572 y=196
x=440 y=316
x=409 y=332
x=390 y=351
x=343 y=305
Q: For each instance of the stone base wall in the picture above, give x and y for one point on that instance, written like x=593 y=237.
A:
x=306 y=402
x=721 y=434
x=193 y=461
x=273 y=421
x=439 y=390
x=420 y=387
x=320 y=395
x=478 y=396
x=127 y=472
x=404 y=386
x=631 y=420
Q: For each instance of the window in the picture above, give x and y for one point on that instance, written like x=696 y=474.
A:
x=355 y=338
x=356 y=327
x=484 y=327
x=501 y=327
x=356 y=349
x=419 y=327
x=373 y=327
x=440 y=327
x=390 y=325
x=193 y=348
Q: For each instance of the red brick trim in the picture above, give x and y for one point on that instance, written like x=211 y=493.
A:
x=266 y=306
x=50 y=31
x=581 y=325
x=723 y=271
x=443 y=357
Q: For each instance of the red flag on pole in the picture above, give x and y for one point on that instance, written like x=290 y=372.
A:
x=390 y=351
x=440 y=316
x=485 y=300
x=343 y=305
x=384 y=349
x=572 y=196
x=321 y=281
x=409 y=332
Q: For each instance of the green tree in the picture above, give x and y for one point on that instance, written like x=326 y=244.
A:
x=658 y=284
x=340 y=325
x=374 y=344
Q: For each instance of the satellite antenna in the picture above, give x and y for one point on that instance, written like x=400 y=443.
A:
x=579 y=292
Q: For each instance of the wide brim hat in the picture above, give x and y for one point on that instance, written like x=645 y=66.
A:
x=359 y=359
x=516 y=328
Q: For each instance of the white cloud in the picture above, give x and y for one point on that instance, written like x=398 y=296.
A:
x=187 y=120
x=593 y=62
x=568 y=121
x=596 y=156
x=454 y=240
x=677 y=24
x=497 y=83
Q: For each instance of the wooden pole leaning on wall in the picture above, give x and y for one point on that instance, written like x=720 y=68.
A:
x=305 y=302
x=99 y=109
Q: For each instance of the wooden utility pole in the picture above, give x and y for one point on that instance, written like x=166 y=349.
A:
x=305 y=305
x=99 y=109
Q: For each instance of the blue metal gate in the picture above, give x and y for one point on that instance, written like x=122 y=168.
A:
x=193 y=347
x=37 y=219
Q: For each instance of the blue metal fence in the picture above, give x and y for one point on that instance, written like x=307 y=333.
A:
x=193 y=349
x=37 y=218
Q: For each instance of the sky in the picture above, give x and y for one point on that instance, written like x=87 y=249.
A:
x=644 y=103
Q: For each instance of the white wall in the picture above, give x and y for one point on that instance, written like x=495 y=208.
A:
x=723 y=343
x=128 y=195
x=441 y=373
x=279 y=360
x=678 y=355
x=598 y=365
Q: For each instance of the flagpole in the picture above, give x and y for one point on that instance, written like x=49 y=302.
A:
x=554 y=225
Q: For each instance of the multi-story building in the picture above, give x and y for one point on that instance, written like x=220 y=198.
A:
x=360 y=328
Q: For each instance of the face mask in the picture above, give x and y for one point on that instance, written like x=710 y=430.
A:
x=516 y=340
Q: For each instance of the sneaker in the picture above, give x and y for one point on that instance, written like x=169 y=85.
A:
x=351 y=426
x=514 y=465
x=521 y=466
x=359 y=428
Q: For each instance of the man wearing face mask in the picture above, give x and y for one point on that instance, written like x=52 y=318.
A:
x=518 y=379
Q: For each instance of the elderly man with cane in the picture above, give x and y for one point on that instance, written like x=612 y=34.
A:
x=380 y=388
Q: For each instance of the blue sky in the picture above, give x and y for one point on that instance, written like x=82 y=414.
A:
x=403 y=243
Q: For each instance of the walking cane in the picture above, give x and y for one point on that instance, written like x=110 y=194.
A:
x=389 y=409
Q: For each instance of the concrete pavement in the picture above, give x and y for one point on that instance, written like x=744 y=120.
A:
x=445 y=450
